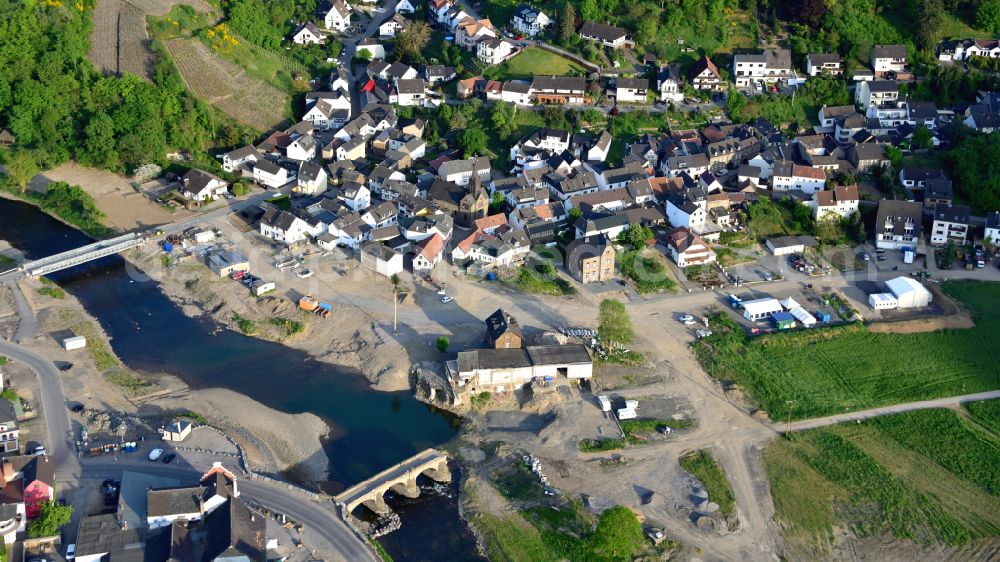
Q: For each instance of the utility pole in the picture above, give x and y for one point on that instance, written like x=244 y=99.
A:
x=395 y=300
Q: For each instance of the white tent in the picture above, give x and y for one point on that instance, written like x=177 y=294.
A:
x=789 y=303
x=802 y=316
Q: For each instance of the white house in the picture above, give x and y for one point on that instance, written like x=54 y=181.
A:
x=529 y=21
x=992 y=232
x=693 y=165
x=284 y=226
x=604 y=34
x=461 y=171
x=303 y=148
x=405 y=7
x=235 y=159
x=356 y=196
x=200 y=186
x=669 y=84
x=824 y=63
x=598 y=150
x=270 y=174
x=409 y=92
x=842 y=201
x=429 y=252
x=338 y=17
x=687 y=248
x=788 y=176
x=381 y=214
x=687 y=210
x=769 y=66
x=307 y=34
x=493 y=50
x=888 y=59
x=631 y=90
x=327 y=110
x=471 y=31
x=311 y=180
x=951 y=224
x=517 y=93
x=392 y=26
x=381 y=259
x=354 y=149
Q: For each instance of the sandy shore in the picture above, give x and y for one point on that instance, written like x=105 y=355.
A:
x=273 y=441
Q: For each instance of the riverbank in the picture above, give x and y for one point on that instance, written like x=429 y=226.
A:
x=350 y=337
x=274 y=442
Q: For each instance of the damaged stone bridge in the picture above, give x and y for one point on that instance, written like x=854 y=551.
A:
x=400 y=478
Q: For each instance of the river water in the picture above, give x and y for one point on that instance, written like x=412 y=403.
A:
x=152 y=334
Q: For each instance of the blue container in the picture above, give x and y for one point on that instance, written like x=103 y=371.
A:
x=491 y=276
x=168 y=247
x=822 y=316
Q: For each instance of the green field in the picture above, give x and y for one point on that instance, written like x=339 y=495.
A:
x=534 y=60
x=929 y=476
x=703 y=467
x=847 y=368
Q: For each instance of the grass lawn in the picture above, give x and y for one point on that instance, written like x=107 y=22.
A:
x=930 y=476
x=534 y=60
x=703 y=467
x=648 y=271
x=846 y=368
x=530 y=280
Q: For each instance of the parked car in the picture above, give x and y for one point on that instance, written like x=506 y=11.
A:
x=865 y=256
x=71 y=552
x=304 y=273
x=155 y=454
x=686 y=318
x=446 y=299
x=170 y=457
x=76 y=407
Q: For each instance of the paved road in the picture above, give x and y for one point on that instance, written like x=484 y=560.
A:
x=325 y=531
x=27 y=324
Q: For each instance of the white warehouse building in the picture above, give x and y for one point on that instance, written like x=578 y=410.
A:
x=904 y=292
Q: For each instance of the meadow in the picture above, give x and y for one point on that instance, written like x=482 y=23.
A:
x=841 y=369
x=928 y=476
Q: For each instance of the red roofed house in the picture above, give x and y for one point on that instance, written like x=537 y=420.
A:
x=429 y=252
x=37 y=473
x=490 y=223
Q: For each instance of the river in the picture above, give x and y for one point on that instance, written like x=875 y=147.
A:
x=152 y=334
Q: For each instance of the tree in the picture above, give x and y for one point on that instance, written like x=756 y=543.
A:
x=442 y=344
x=411 y=42
x=827 y=228
x=473 y=140
x=240 y=189
x=554 y=117
x=614 y=326
x=363 y=54
x=99 y=142
x=588 y=10
x=736 y=102
x=922 y=137
x=21 y=167
x=395 y=298
x=988 y=16
x=503 y=119
x=51 y=518
x=574 y=215
x=618 y=535
x=497 y=201
x=645 y=31
x=636 y=236
x=931 y=18
x=567 y=23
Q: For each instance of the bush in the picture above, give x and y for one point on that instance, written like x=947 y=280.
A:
x=54 y=292
x=702 y=466
x=248 y=327
x=51 y=518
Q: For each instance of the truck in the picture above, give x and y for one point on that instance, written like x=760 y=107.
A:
x=908 y=256
x=735 y=302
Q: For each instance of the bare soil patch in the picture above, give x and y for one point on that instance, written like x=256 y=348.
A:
x=124 y=207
